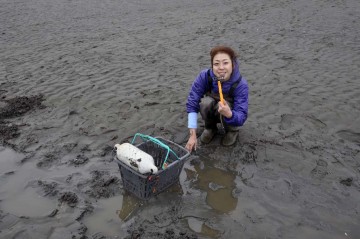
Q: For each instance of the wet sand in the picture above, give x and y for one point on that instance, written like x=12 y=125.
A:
x=76 y=77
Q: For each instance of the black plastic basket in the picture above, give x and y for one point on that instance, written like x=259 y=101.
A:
x=144 y=186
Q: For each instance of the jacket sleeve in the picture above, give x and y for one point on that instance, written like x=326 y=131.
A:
x=240 y=108
x=197 y=91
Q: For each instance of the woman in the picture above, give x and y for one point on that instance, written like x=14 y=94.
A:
x=204 y=98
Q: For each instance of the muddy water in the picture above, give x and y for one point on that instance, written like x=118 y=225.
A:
x=17 y=195
x=218 y=186
x=76 y=77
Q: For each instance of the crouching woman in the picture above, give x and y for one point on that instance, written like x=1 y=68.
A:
x=204 y=97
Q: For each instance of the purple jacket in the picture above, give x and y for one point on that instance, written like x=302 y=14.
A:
x=240 y=94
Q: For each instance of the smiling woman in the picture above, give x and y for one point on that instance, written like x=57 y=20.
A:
x=222 y=80
x=221 y=59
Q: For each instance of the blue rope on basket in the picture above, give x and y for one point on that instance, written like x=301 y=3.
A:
x=158 y=142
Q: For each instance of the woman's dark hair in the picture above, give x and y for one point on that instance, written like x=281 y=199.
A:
x=223 y=49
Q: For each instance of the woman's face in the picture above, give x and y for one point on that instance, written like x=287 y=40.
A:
x=222 y=66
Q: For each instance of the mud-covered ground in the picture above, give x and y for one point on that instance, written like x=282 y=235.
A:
x=77 y=77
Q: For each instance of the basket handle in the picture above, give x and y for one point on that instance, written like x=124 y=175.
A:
x=156 y=141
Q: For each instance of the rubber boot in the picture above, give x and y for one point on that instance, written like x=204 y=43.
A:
x=229 y=138
x=209 y=132
x=230 y=135
x=207 y=135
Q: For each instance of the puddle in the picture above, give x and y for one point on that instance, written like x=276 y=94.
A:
x=8 y=160
x=105 y=219
x=15 y=177
x=16 y=198
x=218 y=184
x=110 y=215
x=28 y=203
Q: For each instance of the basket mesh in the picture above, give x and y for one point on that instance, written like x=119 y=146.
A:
x=146 y=185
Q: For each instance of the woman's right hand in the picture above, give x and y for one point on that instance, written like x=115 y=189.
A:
x=192 y=142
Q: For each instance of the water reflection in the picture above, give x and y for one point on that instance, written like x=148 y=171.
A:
x=128 y=207
x=218 y=184
x=106 y=217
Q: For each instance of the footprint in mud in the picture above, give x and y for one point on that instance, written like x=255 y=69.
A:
x=124 y=107
x=349 y=136
x=244 y=154
x=320 y=170
x=48 y=160
x=79 y=160
x=100 y=185
x=49 y=188
x=347 y=181
x=289 y=121
x=69 y=198
x=250 y=154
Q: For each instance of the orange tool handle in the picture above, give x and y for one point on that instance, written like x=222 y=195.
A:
x=220 y=92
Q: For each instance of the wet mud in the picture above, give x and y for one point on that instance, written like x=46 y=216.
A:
x=12 y=108
x=77 y=77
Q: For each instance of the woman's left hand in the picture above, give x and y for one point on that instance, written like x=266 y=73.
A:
x=224 y=109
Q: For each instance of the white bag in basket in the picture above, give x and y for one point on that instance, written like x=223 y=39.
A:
x=135 y=158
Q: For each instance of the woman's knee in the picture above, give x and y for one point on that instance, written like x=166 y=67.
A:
x=207 y=105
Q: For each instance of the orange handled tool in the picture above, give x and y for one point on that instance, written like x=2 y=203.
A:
x=220 y=92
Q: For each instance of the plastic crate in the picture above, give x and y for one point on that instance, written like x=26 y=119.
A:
x=145 y=186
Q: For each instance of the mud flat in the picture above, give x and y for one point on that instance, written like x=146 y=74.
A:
x=76 y=77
